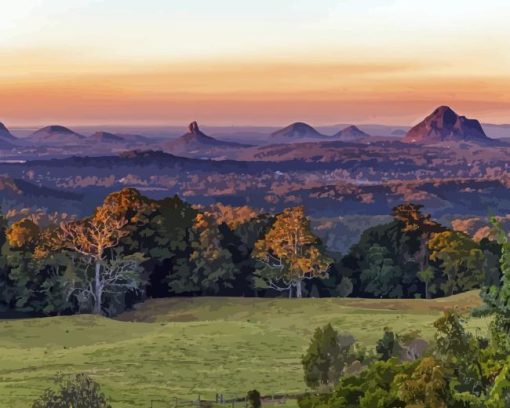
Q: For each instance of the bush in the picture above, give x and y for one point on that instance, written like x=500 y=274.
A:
x=76 y=391
x=253 y=399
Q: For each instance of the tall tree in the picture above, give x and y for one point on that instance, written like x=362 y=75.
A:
x=326 y=357
x=460 y=260
x=208 y=269
x=379 y=274
x=290 y=253
x=415 y=222
x=93 y=238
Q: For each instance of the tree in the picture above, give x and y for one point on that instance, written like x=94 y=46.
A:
x=253 y=399
x=427 y=386
x=93 y=239
x=497 y=297
x=379 y=275
x=388 y=346
x=394 y=250
x=76 y=391
x=208 y=267
x=427 y=276
x=23 y=234
x=459 y=258
x=459 y=352
x=326 y=357
x=290 y=253
x=415 y=222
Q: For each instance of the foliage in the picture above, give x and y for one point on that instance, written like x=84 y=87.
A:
x=461 y=261
x=208 y=268
x=426 y=386
x=388 y=346
x=290 y=253
x=326 y=357
x=77 y=391
x=379 y=274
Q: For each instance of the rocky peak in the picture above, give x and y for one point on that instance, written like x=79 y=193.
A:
x=443 y=124
x=193 y=128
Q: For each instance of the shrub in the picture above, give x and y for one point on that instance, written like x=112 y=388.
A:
x=77 y=391
x=253 y=399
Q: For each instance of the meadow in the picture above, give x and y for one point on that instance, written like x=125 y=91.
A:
x=185 y=347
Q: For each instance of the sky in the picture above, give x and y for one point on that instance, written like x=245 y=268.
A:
x=244 y=62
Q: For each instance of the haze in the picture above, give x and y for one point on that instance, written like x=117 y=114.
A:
x=257 y=63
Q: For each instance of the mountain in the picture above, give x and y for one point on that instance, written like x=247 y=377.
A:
x=445 y=125
x=350 y=133
x=398 y=132
x=298 y=130
x=106 y=137
x=7 y=140
x=195 y=143
x=117 y=138
x=5 y=134
x=56 y=134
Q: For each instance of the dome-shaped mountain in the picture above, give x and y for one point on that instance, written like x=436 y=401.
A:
x=297 y=130
x=196 y=142
x=445 y=125
x=56 y=134
x=351 y=133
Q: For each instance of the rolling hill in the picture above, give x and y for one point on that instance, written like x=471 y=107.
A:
x=180 y=348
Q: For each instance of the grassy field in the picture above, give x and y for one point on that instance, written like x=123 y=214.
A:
x=172 y=348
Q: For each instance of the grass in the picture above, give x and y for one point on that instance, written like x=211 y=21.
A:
x=180 y=348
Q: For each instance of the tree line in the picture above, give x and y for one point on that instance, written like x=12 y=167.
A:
x=133 y=247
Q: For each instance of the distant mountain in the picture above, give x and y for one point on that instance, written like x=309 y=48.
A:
x=398 y=132
x=5 y=134
x=296 y=131
x=195 y=143
x=56 y=134
x=117 y=138
x=350 y=133
x=7 y=140
x=444 y=125
x=106 y=137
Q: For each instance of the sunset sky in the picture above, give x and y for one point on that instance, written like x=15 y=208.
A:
x=264 y=62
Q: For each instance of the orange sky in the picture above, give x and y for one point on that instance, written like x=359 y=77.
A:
x=324 y=62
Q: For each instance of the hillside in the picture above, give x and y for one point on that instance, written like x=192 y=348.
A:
x=171 y=348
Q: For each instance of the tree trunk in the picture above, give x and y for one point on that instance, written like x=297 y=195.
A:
x=299 y=289
x=427 y=294
x=290 y=292
x=98 y=289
